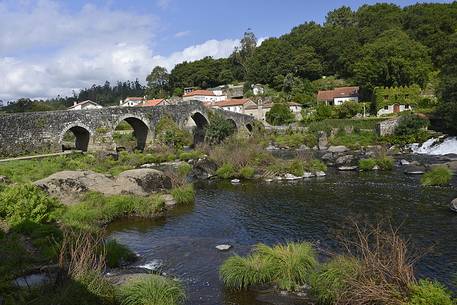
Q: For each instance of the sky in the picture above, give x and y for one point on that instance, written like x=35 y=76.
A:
x=50 y=48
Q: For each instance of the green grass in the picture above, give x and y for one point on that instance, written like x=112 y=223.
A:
x=430 y=293
x=355 y=140
x=247 y=172
x=153 y=290
x=288 y=266
x=118 y=254
x=440 y=175
x=226 y=171
x=97 y=210
x=190 y=155
x=184 y=194
x=331 y=281
x=329 y=124
x=294 y=140
x=384 y=163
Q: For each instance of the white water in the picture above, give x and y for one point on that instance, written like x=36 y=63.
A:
x=436 y=147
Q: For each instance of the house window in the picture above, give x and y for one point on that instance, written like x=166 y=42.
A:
x=386 y=97
x=407 y=106
x=386 y=107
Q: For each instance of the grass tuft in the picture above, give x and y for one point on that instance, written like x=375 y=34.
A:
x=184 y=194
x=118 y=254
x=153 y=290
x=439 y=175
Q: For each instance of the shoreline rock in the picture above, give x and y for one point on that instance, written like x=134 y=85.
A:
x=453 y=205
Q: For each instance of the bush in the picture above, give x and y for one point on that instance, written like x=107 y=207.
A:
x=410 y=124
x=153 y=290
x=367 y=164
x=247 y=172
x=324 y=112
x=243 y=272
x=226 y=171
x=279 y=114
x=440 y=175
x=385 y=163
x=19 y=203
x=331 y=281
x=348 y=109
x=184 y=169
x=429 y=293
x=288 y=266
x=169 y=133
x=315 y=166
x=117 y=254
x=184 y=194
x=218 y=129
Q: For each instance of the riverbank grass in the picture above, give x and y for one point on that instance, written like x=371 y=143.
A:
x=184 y=194
x=118 y=254
x=430 y=293
x=383 y=163
x=153 y=290
x=97 y=210
x=440 y=175
x=287 y=266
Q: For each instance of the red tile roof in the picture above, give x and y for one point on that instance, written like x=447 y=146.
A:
x=231 y=102
x=135 y=98
x=200 y=92
x=151 y=103
x=329 y=95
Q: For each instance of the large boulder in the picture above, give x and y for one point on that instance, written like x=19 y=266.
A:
x=70 y=186
x=323 y=140
x=454 y=205
x=204 y=168
x=414 y=169
x=344 y=160
x=142 y=182
x=338 y=149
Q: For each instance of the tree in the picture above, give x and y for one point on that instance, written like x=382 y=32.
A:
x=307 y=63
x=279 y=114
x=245 y=50
x=218 y=129
x=448 y=87
x=394 y=59
x=158 y=83
x=342 y=17
x=372 y=20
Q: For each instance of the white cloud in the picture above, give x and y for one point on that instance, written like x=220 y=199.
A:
x=182 y=34
x=46 y=51
x=163 y=3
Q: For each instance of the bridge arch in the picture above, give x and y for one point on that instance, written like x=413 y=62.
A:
x=233 y=124
x=141 y=130
x=81 y=133
x=249 y=127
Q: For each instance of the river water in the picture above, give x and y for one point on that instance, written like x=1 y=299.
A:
x=316 y=210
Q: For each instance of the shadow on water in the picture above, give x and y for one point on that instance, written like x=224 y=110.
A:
x=308 y=210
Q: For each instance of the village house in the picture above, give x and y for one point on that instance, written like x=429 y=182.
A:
x=257 y=89
x=84 y=105
x=234 y=105
x=338 y=96
x=131 y=102
x=204 y=96
x=390 y=100
x=154 y=102
x=259 y=111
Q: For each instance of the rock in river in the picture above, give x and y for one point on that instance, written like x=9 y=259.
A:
x=347 y=168
x=414 y=170
x=454 y=205
x=338 y=149
x=223 y=247
x=69 y=186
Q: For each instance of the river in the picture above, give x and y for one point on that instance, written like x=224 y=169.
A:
x=316 y=210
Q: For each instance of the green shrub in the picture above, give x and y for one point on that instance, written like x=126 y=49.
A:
x=226 y=171
x=315 y=165
x=429 y=293
x=348 y=109
x=184 y=194
x=218 y=129
x=440 y=175
x=288 y=266
x=410 y=124
x=117 y=254
x=293 y=263
x=279 y=114
x=324 y=112
x=385 y=163
x=367 y=164
x=296 y=168
x=330 y=282
x=169 y=133
x=19 y=203
x=153 y=290
x=184 y=169
x=188 y=155
x=247 y=172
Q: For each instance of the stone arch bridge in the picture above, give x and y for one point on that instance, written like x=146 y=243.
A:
x=34 y=132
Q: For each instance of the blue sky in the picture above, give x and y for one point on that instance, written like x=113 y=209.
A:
x=50 y=47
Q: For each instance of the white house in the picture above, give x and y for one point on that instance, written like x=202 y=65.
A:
x=85 y=105
x=338 y=96
x=234 y=105
x=205 y=96
x=131 y=102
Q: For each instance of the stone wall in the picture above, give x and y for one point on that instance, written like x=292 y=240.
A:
x=41 y=132
x=385 y=128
